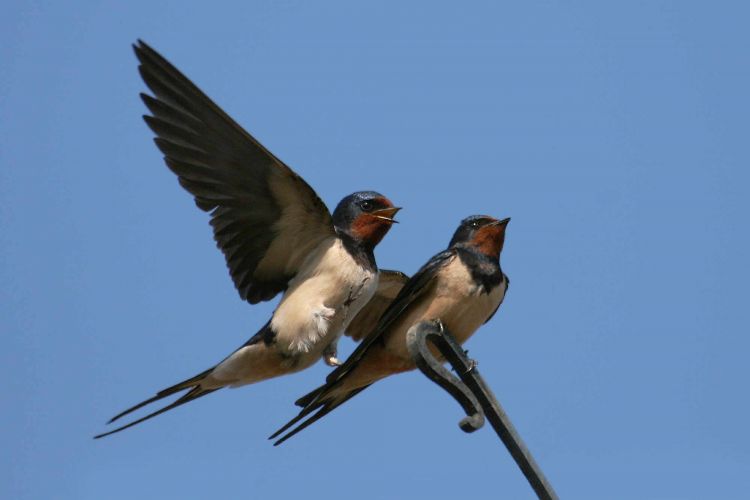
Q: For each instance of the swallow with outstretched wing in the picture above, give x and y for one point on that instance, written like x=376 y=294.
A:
x=274 y=231
x=462 y=287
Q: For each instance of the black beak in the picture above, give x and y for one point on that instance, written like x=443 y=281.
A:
x=502 y=223
x=386 y=213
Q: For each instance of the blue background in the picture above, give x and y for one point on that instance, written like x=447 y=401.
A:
x=616 y=136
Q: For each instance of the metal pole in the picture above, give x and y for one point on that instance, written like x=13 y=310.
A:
x=473 y=394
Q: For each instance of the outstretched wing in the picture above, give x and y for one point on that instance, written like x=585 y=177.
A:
x=265 y=217
x=390 y=284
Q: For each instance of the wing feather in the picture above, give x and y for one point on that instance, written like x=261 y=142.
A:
x=265 y=218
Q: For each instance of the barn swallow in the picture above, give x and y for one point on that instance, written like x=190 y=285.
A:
x=461 y=287
x=274 y=231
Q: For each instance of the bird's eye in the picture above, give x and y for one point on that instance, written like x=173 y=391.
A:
x=475 y=224
x=366 y=205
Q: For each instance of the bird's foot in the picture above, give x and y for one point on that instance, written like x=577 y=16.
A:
x=330 y=356
x=332 y=361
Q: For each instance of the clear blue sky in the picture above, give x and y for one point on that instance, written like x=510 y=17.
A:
x=615 y=136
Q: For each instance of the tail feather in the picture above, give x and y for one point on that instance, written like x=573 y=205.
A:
x=193 y=384
x=185 y=384
x=308 y=398
x=302 y=414
x=323 y=407
x=309 y=403
x=195 y=393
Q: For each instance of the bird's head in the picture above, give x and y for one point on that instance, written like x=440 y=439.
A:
x=482 y=233
x=366 y=216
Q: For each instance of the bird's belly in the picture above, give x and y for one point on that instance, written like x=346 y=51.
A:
x=317 y=307
x=310 y=316
x=460 y=305
x=463 y=318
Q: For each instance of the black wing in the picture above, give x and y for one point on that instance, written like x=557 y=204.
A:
x=265 y=217
x=390 y=284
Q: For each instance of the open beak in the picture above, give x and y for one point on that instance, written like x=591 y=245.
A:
x=386 y=213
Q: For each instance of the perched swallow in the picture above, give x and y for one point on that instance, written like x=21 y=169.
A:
x=462 y=287
x=275 y=232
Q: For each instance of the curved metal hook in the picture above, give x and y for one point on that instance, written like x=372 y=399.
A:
x=473 y=394
x=416 y=340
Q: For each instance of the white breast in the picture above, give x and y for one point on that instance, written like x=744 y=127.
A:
x=463 y=305
x=321 y=300
x=456 y=300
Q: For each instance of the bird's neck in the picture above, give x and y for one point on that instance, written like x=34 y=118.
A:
x=485 y=269
x=360 y=250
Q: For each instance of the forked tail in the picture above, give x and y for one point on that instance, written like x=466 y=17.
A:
x=195 y=392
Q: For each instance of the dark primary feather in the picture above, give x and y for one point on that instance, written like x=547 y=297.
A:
x=419 y=285
x=265 y=217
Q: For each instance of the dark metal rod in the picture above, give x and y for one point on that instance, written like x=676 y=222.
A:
x=436 y=334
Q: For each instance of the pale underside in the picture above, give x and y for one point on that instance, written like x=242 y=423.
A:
x=462 y=306
x=316 y=308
